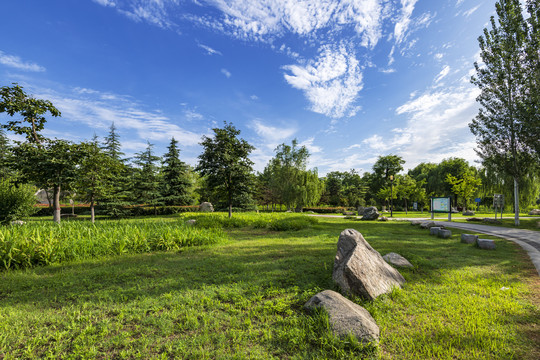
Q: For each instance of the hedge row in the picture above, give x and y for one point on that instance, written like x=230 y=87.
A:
x=126 y=210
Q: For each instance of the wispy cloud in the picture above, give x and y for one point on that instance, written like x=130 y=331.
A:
x=98 y=110
x=470 y=11
x=272 y=135
x=17 y=63
x=209 y=50
x=331 y=83
x=400 y=29
x=226 y=72
x=444 y=72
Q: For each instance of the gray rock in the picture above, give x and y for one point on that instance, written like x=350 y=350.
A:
x=445 y=234
x=206 y=207
x=486 y=244
x=468 y=213
x=434 y=230
x=18 y=222
x=383 y=218
x=491 y=221
x=360 y=210
x=416 y=222
x=359 y=269
x=534 y=212
x=345 y=316
x=427 y=224
x=396 y=260
x=370 y=213
x=191 y=222
x=474 y=219
x=469 y=238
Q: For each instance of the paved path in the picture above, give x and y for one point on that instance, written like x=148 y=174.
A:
x=529 y=240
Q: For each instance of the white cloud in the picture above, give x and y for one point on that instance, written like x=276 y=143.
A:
x=444 y=72
x=400 y=29
x=331 y=83
x=438 y=56
x=470 y=11
x=272 y=134
x=254 y=97
x=209 y=50
x=308 y=143
x=375 y=142
x=98 y=110
x=16 y=62
x=226 y=72
x=110 y=3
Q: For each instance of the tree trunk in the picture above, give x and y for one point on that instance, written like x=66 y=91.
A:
x=516 y=203
x=406 y=212
x=92 y=214
x=56 y=203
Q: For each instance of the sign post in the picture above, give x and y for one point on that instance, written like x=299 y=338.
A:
x=441 y=205
x=477 y=201
x=498 y=202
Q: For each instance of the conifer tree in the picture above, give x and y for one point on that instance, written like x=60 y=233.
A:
x=146 y=182
x=176 y=182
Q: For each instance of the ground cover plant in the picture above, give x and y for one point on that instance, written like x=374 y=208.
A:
x=244 y=298
x=44 y=242
x=272 y=221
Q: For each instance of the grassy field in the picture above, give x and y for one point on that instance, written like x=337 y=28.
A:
x=243 y=297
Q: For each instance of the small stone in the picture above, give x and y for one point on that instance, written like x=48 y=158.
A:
x=434 y=230
x=18 y=222
x=469 y=238
x=445 y=234
x=346 y=317
x=383 y=218
x=486 y=244
x=370 y=213
x=491 y=221
x=206 y=207
x=474 y=219
x=534 y=212
x=427 y=224
x=468 y=213
x=396 y=260
x=191 y=222
x=416 y=222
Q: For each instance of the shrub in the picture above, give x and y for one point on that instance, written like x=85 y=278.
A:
x=16 y=201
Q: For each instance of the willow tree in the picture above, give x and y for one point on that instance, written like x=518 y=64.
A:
x=503 y=121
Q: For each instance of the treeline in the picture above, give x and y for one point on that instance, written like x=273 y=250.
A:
x=97 y=172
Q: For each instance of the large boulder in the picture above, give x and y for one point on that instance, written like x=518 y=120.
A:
x=370 y=213
x=206 y=207
x=345 y=316
x=428 y=224
x=534 y=212
x=359 y=269
x=396 y=260
x=468 y=213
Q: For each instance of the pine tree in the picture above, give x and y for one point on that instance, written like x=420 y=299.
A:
x=112 y=145
x=146 y=182
x=226 y=167
x=176 y=182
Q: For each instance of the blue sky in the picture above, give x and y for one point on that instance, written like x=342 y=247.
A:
x=351 y=80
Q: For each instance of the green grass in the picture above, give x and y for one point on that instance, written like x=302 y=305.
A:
x=244 y=298
x=530 y=223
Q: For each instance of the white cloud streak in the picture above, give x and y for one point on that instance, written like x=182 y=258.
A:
x=209 y=50
x=331 y=83
x=17 y=63
x=226 y=72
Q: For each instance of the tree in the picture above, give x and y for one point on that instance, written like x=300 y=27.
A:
x=382 y=169
x=6 y=158
x=16 y=201
x=15 y=101
x=111 y=144
x=176 y=183
x=95 y=174
x=225 y=165
x=146 y=181
x=503 y=119
x=50 y=164
x=465 y=187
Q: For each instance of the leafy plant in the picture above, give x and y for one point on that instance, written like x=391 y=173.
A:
x=16 y=202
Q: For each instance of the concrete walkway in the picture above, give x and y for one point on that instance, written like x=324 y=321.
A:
x=529 y=240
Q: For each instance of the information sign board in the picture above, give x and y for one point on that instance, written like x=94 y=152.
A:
x=440 y=205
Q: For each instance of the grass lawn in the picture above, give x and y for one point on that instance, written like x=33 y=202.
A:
x=530 y=223
x=243 y=298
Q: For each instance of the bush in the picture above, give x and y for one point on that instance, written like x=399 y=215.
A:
x=16 y=202
x=276 y=222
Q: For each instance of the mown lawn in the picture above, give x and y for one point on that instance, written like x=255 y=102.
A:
x=243 y=298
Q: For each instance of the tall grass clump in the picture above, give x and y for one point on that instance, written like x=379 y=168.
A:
x=275 y=222
x=42 y=243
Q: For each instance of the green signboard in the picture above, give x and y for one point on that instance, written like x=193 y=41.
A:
x=440 y=205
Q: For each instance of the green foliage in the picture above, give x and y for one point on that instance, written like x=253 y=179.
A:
x=13 y=100
x=111 y=144
x=16 y=201
x=344 y=188
x=276 y=222
x=176 y=186
x=226 y=167
x=145 y=188
x=48 y=243
x=465 y=187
